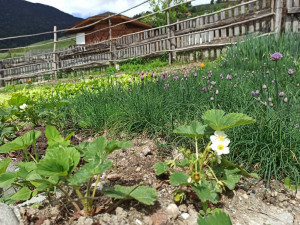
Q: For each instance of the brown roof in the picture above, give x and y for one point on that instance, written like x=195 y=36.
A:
x=102 y=16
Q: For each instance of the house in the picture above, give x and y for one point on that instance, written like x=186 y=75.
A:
x=98 y=31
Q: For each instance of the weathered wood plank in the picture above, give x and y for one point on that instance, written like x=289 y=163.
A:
x=295 y=19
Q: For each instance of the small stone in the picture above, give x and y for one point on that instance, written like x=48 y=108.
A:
x=293 y=202
x=113 y=177
x=185 y=215
x=138 y=169
x=172 y=210
x=138 y=222
x=182 y=208
x=298 y=194
x=245 y=196
x=46 y=222
x=146 y=151
x=159 y=218
x=252 y=195
x=274 y=193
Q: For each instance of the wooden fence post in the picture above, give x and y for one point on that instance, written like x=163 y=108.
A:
x=2 y=82
x=110 y=41
x=169 y=33
x=54 y=62
x=278 y=16
x=173 y=43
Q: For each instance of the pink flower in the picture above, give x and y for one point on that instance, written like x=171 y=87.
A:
x=264 y=86
x=212 y=98
x=285 y=99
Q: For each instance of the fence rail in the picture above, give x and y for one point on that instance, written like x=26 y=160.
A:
x=208 y=33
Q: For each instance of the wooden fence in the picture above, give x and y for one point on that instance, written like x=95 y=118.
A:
x=208 y=33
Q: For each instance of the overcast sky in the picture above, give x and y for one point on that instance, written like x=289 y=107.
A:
x=87 y=8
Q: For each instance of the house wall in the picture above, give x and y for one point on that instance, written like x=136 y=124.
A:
x=117 y=31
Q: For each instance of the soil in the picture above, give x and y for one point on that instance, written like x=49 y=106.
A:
x=250 y=203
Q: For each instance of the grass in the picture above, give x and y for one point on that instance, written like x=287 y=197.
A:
x=271 y=146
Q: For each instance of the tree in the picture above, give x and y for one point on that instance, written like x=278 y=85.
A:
x=160 y=19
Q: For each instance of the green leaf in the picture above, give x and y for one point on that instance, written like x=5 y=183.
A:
x=22 y=195
x=20 y=142
x=4 y=164
x=195 y=130
x=59 y=161
x=54 y=138
x=217 y=119
x=88 y=170
x=178 y=178
x=231 y=178
x=95 y=148
x=225 y=163
x=182 y=163
x=114 y=145
x=207 y=191
x=69 y=136
x=7 y=178
x=217 y=218
x=141 y=193
x=160 y=168
x=287 y=181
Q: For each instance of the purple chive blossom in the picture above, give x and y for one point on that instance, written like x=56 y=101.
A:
x=265 y=103
x=271 y=105
x=285 y=99
x=258 y=99
x=235 y=85
x=195 y=75
x=273 y=69
x=252 y=93
x=92 y=86
x=213 y=82
x=157 y=80
x=269 y=99
x=276 y=56
x=208 y=81
x=212 y=98
x=264 y=86
x=204 y=89
x=290 y=71
x=129 y=81
x=210 y=87
x=281 y=94
x=169 y=76
x=228 y=77
x=176 y=78
x=138 y=72
x=257 y=92
x=155 y=75
x=221 y=76
x=217 y=92
x=235 y=74
x=167 y=85
x=182 y=79
x=142 y=77
x=133 y=78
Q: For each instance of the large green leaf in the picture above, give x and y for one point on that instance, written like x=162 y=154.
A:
x=20 y=142
x=178 y=178
x=207 y=191
x=22 y=195
x=4 y=164
x=231 y=177
x=58 y=161
x=160 y=168
x=54 y=138
x=95 y=148
x=217 y=119
x=7 y=178
x=216 y=218
x=141 y=193
x=89 y=170
x=195 y=130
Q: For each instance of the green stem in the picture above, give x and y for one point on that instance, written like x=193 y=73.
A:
x=35 y=151
x=26 y=155
x=84 y=201
x=206 y=151
x=197 y=155
x=95 y=188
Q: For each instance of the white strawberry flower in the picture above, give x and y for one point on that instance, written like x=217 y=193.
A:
x=24 y=106
x=220 y=148
x=220 y=136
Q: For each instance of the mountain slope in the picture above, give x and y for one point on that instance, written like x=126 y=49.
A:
x=18 y=17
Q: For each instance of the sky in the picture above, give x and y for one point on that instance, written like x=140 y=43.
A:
x=87 y=8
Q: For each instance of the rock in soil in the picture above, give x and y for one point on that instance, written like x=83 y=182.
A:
x=7 y=216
